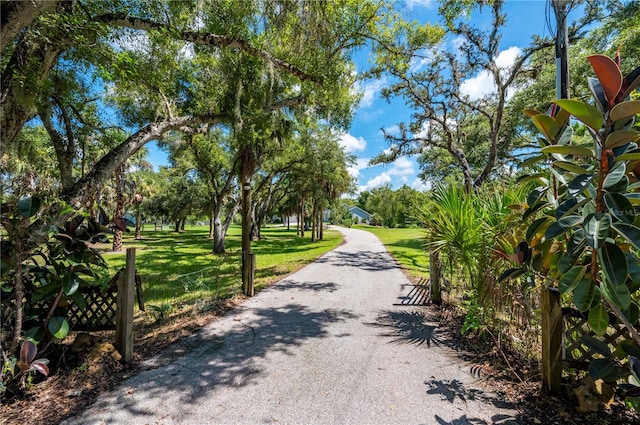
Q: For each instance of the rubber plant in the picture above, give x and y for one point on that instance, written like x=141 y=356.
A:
x=584 y=235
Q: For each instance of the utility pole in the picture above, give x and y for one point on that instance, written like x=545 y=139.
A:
x=560 y=8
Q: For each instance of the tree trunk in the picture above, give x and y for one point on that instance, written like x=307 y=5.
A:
x=247 y=283
x=211 y=226
x=301 y=219
x=314 y=221
x=177 y=226
x=19 y=295
x=19 y=14
x=117 y=238
x=138 y=225
x=461 y=159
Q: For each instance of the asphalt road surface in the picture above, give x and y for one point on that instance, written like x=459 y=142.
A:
x=330 y=344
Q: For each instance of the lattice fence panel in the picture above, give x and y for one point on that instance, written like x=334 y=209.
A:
x=100 y=313
x=578 y=355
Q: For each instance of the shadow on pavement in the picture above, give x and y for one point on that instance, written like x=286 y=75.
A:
x=495 y=420
x=204 y=362
x=407 y=327
x=288 y=284
x=451 y=390
x=365 y=260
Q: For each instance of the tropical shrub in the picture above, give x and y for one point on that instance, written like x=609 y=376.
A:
x=584 y=235
x=473 y=232
x=43 y=266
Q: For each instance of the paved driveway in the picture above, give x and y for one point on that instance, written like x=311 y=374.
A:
x=327 y=345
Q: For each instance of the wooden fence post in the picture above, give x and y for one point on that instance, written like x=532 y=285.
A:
x=248 y=273
x=552 y=329
x=435 y=274
x=124 y=313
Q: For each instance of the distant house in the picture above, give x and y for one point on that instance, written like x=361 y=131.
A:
x=360 y=215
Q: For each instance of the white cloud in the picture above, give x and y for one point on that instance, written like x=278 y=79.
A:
x=424 y=131
x=370 y=90
x=482 y=84
x=377 y=181
x=361 y=163
x=419 y=184
x=393 y=129
x=457 y=42
x=420 y=3
x=351 y=143
x=402 y=167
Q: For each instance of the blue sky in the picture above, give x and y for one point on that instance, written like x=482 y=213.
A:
x=365 y=140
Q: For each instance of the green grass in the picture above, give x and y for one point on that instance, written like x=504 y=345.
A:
x=405 y=245
x=180 y=268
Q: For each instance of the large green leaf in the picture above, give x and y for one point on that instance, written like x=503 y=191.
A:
x=617 y=294
x=600 y=368
x=619 y=138
x=529 y=177
x=564 y=138
x=569 y=166
x=614 y=263
x=563 y=225
x=634 y=198
x=58 y=327
x=571 y=279
x=631 y=156
x=629 y=232
x=533 y=160
x=625 y=110
x=29 y=206
x=537 y=227
x=569 y=206
x=511 y=273
x=532 y=210
x=634 y=272
x=579 y=184
x=599 y=320
x=583 y=294
x=620 y=207
x=632 y=313
x=70 y=283
x=582 y=112
x=576 y=150
x=546 y=125
x=615 y=177
x=596 y=229
x=595 y=345
x=535 y=195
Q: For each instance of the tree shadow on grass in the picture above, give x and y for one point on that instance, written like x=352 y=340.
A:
x=228 y=356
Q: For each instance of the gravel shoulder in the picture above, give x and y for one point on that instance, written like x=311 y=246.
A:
x=328 y=344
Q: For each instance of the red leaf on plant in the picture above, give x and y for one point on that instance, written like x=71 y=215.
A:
x=630 y=82
x=28 y=352
x=41 y=367
x=609 y=75
x=119 y=224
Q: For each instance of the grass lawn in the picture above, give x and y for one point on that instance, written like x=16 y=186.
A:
x=405 y=245
x=179 y=268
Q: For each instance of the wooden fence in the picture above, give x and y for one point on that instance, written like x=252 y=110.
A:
x=562 y=331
